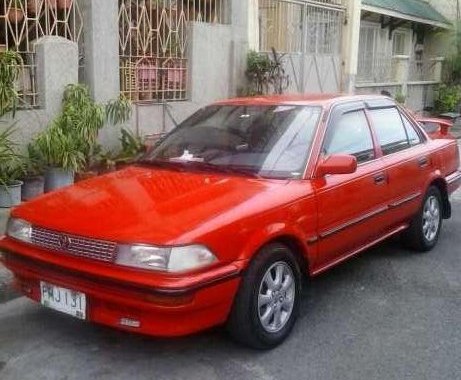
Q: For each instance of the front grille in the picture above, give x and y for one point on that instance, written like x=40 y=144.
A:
x=74 y=245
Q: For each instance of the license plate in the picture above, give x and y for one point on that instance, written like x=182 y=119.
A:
x=64 y=300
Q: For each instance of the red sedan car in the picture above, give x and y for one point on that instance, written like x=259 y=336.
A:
x=218 y=223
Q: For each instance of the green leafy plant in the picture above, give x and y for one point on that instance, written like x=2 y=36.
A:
x=132 y=146
x=35 y=162
x=119 y=110
x=11 y=163
x=400 y=98
x=266 y=72
x=447 y=98
x=258 y=72
x=82 y=119
x=60 y=149
x=10 y=62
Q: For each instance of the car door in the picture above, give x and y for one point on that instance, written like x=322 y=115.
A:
x=351 y=207
x=405 y=159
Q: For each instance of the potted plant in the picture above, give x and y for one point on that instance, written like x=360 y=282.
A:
x=61 y=156
x=64 y=4
x=16 y=11
x=33 y=7
x=82 y=119
x=11 y=169
x=52 y=4
x=34 y=180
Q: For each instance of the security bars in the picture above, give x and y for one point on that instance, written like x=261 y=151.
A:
x=153 y=45
x=23 y=22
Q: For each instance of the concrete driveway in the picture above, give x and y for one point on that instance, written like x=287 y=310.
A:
x=388 y=314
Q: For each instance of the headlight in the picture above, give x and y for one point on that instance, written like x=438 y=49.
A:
x=19 y=229
x=176 y=259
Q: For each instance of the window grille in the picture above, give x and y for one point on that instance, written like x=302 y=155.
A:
x=312 y=27
x=153 y=45
x=24 y=22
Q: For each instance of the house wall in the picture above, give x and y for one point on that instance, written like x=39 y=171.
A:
x=216 y=54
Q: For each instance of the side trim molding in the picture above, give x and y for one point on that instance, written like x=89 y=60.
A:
x=353 y=222
x=402 y=201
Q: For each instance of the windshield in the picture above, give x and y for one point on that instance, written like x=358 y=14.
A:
x=267 y=141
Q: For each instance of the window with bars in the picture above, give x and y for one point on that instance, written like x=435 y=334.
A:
x=297 y=26
x=154 y=42
x=23 y=22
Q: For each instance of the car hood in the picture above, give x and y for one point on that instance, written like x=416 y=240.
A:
x=149 y=206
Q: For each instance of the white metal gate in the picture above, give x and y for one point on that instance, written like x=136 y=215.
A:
x=309 y=34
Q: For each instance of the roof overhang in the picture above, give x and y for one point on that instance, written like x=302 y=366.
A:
x=403 y=16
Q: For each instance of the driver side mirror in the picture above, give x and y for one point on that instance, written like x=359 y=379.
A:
x=337 y=164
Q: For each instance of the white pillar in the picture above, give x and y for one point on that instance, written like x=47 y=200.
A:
x=100 y=25
x=57 y=66
x=350 y=44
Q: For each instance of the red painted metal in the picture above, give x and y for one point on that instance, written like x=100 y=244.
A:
x=327 y=218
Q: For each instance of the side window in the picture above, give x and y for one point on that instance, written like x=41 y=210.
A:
x=350 y=134
x=390 y=130
x=413 y=136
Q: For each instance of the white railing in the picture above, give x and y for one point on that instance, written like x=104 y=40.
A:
x=23 y=22
x=153 y=45
x=422 y=70
x=374 y=69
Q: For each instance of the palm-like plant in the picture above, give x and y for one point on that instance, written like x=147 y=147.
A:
x=11 y=163
x=60 y=149
x=10 y=63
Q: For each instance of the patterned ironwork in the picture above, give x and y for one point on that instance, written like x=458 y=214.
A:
x=153 y=45
x=74 y=245
x=23 y=22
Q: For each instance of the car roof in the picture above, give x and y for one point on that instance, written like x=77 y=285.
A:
x=301 y=99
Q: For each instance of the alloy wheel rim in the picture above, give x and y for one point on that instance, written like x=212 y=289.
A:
x=431 y=218
x=276 y=297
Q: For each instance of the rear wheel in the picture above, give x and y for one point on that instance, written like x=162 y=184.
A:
x=267 y=304
x=425 y=227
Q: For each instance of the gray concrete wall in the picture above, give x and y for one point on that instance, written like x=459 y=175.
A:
x=57 y=66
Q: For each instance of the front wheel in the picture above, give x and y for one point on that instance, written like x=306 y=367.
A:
x=267 y=304
x=425 y=227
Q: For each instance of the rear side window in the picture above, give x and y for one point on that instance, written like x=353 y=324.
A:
x=390 y=131
x=350 y=134
x=413 y=136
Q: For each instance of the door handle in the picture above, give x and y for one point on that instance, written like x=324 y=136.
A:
x=380 y=179
x=423 y=162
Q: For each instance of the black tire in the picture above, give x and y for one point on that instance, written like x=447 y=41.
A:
x=244 y=323
x=415 y=238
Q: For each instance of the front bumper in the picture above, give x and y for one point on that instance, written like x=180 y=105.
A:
x=163 y=305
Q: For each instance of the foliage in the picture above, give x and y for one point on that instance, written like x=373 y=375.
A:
x=258 y=72
x=400 y=98
x=10 y=62
x=60 y=149
x=11 y=163
x=132 y=146
x=81 y=118
x=118 y=111
x=266 y=72
x=35 y=162
x=447 y=98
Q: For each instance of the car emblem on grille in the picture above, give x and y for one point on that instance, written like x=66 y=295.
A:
x=64 y=241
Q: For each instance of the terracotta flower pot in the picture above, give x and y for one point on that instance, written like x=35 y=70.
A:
x=15 y=15
x=64 y=4
x=33 y=7
x=52 y=4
